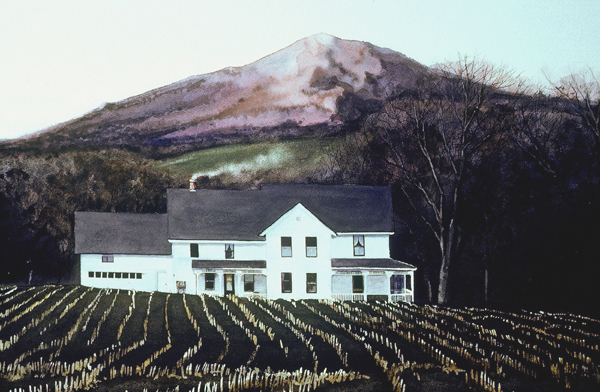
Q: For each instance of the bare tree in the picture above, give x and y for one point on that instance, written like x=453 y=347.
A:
x=581 y=92
x=349 y=161
x=436 y=136
x=535 y=131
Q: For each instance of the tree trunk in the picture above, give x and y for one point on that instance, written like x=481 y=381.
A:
x=443 y=295
x=485 y=293
x=429 y=288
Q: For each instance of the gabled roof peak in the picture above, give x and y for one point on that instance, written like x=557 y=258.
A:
x=292 y=212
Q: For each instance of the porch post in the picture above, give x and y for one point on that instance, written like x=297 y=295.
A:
x=388 y=276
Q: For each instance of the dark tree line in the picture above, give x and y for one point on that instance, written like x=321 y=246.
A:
x=39 y=195
x=496 y=188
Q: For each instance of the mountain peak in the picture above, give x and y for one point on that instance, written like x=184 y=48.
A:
x=318 y=82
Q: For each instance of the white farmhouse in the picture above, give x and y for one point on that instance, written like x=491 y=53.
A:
x=281 y=241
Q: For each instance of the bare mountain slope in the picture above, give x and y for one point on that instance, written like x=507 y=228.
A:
x=314 y=85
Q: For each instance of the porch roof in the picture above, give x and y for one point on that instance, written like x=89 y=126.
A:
x=229 y=264
x=389 y=264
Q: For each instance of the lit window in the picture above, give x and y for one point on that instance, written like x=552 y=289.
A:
x=108 y=259
x=359 y=245
x=311 y=246
x=286 y=246
x=194 y=250
x=90 y=274
x=249 y=283
x=229 y=251
x=311 y=283
x=286 y=282
x=358 y=284
x=209 y=281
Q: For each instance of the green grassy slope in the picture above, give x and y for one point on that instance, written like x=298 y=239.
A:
x=273 y=161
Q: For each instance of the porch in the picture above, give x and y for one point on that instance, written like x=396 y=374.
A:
x=394 y=286
x=243 y=279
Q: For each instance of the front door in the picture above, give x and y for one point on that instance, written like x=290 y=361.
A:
x=229 y=284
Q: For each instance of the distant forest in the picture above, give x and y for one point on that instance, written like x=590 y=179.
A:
x=496 y=190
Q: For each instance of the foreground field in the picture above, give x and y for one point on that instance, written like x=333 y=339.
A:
x=62 y=338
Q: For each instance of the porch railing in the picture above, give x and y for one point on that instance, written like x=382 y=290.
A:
x=406 y=296
x=348 y=297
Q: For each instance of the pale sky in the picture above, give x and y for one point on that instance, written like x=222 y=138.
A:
x=61 y=59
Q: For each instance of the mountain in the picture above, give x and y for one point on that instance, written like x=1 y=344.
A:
x=314 y=86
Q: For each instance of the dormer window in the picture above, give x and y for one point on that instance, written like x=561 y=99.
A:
x=311 y=246
x=229 y=251
x=108 y=259
x=286 y=246
x=359 y=245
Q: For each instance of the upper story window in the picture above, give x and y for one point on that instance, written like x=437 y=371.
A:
x=108 y=259
x=286 y=282
x=286 y=246
x=311 y=246
x=229 y=251
x=359 y=245
x=194 y=250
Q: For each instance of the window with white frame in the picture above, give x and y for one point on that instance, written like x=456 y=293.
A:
x=311 y=246
x=359 y=245
x=397 y=284
x=286 y=246
x=194 y=252
x=358 y=284
x=286 y=282
x=108 y=258
x=209 y=281
x=249 y=283
x=229 y=251
x=311 y=282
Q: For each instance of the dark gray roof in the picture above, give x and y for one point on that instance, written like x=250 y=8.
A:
x=121 y=233
x=229 y=264
x=370 y=263
x=243 y=215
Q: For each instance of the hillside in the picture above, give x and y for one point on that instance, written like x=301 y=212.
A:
x=313 y=87
x=270 y=162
